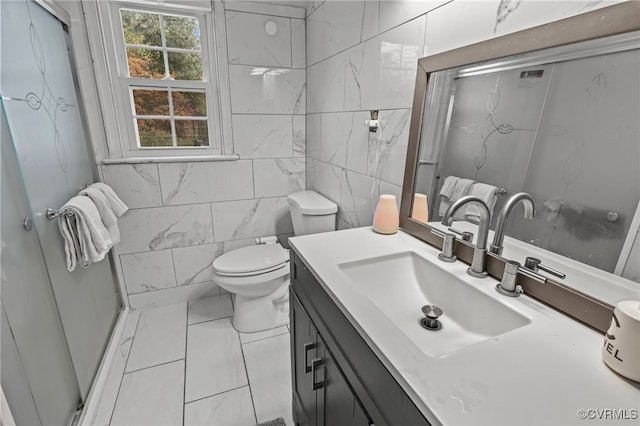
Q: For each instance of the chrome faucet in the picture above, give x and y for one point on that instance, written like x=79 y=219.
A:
x=480 y=251
x=529 y=212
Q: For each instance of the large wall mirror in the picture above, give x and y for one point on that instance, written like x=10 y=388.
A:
x=553 y=111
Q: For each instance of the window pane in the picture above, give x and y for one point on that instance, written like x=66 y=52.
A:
x=185 y=66
x=145 y=63
x=151 y=102
x=141 y=28
x=192 y=133
x=182 y=32
x=192 y=104
x=154 y=133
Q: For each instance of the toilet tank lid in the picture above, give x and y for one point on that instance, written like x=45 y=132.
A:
x=312 y=203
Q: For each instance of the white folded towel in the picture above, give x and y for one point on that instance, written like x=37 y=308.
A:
x=456 y=188
x=118 y=207
x=487 y=193
x=85 y=236
x=107 y=215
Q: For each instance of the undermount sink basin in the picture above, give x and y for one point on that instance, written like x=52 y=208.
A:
x=400 y=284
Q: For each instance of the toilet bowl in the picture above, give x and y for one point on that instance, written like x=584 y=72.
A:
x=258 y=275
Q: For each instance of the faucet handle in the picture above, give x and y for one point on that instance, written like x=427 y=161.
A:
x=466 y=236
x=534 y=264
x=448 y=245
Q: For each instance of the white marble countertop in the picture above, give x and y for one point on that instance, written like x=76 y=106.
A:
x=542 y=373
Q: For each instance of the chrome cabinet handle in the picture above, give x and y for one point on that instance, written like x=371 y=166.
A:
x=314 y=368
x=307 y=347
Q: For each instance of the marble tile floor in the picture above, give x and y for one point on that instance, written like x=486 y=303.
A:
x=187 y=365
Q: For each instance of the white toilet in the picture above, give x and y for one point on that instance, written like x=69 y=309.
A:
x=258 y=275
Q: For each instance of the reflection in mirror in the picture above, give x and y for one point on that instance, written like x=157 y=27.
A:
x=560 y=124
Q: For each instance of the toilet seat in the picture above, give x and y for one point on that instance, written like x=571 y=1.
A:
x=252 y=260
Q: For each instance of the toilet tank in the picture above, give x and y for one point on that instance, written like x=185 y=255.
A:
x=311 y=213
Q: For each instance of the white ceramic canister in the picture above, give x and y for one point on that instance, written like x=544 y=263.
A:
x=621 y=349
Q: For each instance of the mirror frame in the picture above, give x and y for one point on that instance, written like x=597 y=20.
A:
x=608 y=21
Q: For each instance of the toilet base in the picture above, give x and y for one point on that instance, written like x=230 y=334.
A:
x=252 y=314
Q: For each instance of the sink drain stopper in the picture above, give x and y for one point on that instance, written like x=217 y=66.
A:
x=432 y=313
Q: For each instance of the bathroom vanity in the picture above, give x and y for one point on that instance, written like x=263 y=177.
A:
x=360 y=355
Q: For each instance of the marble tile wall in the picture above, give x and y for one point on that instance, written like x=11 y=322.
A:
x=185 y=214
x=361 y=56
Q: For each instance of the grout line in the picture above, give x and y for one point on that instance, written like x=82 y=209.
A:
x=267 y=337
x=216 y=394
x=125 y=368
x=186 y=346
x=153 y=366
x=246 y=371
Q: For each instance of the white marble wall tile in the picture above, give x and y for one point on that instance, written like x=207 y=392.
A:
x=313 y=5
x=299 y=136
x=473 y=21
x=270 y=91
x=148 y=271
x=209 y=308
x=326 y=81
x=214 y=360
x=236 y=220
x=358 y=142
x=262 y=136
x=232 y=408
x=370 y=20
x=200 y=182
x=380 y=73
x=314 y=36
x=324 y=179
x=314 y=122
x=298 y=44
x=335 y=130
x=193 y=264
x=383 y=187
x=111 y=386
x=173 y=295
x=248 y=42
x=479 y=21
x=396 y=12
x=160 y=337
x=278 y=177
x=387 y=155
x=343 y=225
x=165 y=227
x=153 y=396
x=511 y=16
x=342 y=26
x=356 y=201
x=269 y=369
x=137 y=185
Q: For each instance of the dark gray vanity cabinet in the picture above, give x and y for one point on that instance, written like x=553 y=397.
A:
x=337 y=379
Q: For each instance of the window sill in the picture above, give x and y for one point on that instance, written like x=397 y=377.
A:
x=182 y=159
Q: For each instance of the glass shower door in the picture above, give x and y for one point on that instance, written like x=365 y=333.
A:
x=44 y=114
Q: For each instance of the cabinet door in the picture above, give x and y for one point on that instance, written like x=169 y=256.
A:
x=339 y=405
x=304 y=350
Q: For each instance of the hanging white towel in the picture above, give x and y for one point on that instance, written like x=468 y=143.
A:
x=107 y=215
x=487 y=193
x=460 y=189
x=448 y=186
x=118 y=207
x=85 y=236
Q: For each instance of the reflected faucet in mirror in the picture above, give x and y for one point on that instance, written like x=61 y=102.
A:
x=477 y=268
x=529 y=213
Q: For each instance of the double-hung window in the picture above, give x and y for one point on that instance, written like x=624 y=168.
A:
x=166 y=74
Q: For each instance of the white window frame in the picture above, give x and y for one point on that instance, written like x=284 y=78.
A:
x=116 y=96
